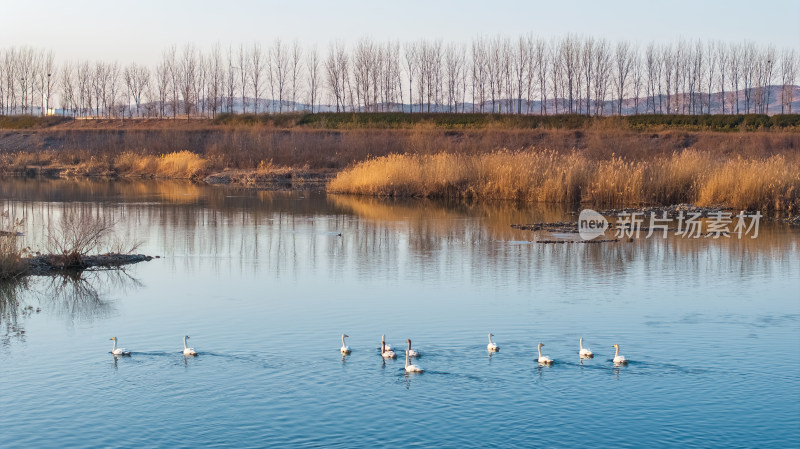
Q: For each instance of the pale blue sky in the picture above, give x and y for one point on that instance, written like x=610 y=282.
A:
x=140 y=29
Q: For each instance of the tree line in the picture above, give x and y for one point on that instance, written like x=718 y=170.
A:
x=523 y=75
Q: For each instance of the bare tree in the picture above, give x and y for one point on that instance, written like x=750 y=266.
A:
x=296 y=70
x=569 y=56
x=188 y=78
x=749 y=70
x=336 y=67
x=112 y=89
x=313 y=68
x=48 y=77
x=723 y=62
x=67 y=87
x=711 y=68
x=411 y=58
x=243 y=68
x=623 y=58
x=163 y=86
x=230 y=80
x=480 y=72
x=637 y=73
x=542 y=55
x=257 y=62
x=362 y=67
x=586 y=68
x=522 y=57
x=279 y=66
x=215 y=79
x=454 y=63
x=85 y=75
x=788 y=69
x=602 y=70
x=735 y=73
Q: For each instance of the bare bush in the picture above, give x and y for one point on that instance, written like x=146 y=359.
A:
x=12 y=249
x=76 y=235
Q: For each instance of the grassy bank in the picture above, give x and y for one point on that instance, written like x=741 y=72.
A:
x=443 y=121
x=247 y=148
x=738 y=161
x=397 y=120
x=548 y=176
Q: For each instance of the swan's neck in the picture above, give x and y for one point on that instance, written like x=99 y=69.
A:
x=407 y=356
x=409 y=345
x=184 y=342
x=580 y=342
x=540 y=352
x=343 y=341
x=114 y=348
x=490 y=339
x=616 y=354
x=383 y=347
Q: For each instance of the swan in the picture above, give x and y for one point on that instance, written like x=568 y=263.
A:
x=118 y=351
x=386 y=346
x=344 y=349
x=410 y=368
x=492 y=347
x=543 y=359
x=411 y=352
x=187 y=350
x=619 y=359
x=584 y=353
x=387 y=353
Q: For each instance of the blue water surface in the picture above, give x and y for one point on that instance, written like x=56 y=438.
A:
x=265 y=285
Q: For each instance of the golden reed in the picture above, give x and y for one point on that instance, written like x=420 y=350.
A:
x=550 y=176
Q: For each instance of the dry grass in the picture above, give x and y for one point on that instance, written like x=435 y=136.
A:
x=549 y=176
x=12 y=249
x=181 y=164
x=604 y=163
x=772 y=183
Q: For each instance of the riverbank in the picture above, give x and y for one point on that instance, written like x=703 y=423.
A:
x=609 y=161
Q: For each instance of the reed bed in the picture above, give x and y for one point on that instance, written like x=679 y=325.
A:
x=771 y=183
x=181 y=164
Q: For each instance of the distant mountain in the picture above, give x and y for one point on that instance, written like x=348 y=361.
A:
x=502 y=105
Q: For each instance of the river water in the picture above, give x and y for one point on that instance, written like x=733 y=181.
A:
x=266 y=282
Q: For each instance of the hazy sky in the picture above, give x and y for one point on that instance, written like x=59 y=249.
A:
x=140 y=29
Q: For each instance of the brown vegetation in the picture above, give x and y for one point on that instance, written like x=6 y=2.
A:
x=549 y=176
x=70 y=241
x=605 y=162
x=12 y=251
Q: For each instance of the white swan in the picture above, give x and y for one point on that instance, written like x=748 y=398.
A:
x=118 y=351
x=584 y=353
x=491 y=347
x=411 y=352
x=187 y=350
x=384 y=345
x=387 y=353
x=411 y=368
x=543 y=359
x=619 y=359
x=344 y=349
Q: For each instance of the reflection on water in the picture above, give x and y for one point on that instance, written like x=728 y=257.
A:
x=73 y=296
x=12 y=313
x=266 y=282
